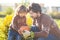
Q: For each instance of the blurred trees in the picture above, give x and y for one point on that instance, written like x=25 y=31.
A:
x=55 y=12
x=8 y=10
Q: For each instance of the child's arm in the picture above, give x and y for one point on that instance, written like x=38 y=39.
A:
x=15 y=24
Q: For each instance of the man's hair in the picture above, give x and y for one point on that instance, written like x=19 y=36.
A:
x=35 y=8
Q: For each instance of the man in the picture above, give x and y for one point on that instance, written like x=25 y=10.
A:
x=44 y=27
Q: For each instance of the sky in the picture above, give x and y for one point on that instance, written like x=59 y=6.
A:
x=46 y=2
x=9 y=1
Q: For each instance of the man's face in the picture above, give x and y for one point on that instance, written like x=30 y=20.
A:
x=33 y=14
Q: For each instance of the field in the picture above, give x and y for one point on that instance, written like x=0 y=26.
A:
x=58 y=22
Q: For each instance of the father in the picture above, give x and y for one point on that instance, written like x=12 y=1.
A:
x=44 y=27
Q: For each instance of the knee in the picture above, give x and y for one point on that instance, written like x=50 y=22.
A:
x=41 y=39
x=34 y=29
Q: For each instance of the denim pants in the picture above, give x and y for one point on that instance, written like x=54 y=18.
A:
x=13 y=35
x=50 y=36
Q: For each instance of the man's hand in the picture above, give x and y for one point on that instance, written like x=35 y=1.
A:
x=32 y=34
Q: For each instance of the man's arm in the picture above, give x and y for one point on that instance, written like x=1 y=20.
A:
x=43 y=33
x=46 y=30
x=55 y=29
x=46 y=22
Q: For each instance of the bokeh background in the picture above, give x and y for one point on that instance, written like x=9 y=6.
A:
x=7 y=9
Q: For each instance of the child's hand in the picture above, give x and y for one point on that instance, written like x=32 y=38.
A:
x=26 y=34
x=23 y=28
x=19 y=32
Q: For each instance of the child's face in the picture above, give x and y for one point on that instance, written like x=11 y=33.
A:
x=22 y=14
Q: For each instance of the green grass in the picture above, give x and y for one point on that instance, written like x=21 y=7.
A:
x=58 y=22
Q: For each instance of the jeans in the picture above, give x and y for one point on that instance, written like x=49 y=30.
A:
x=50 y=36
x=13 y=35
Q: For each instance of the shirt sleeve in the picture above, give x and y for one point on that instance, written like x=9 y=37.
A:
x=15 y=24
x=46 y=23
x=55 y=29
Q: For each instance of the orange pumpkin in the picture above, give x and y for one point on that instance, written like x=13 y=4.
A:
x=22 y=28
